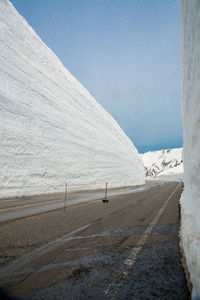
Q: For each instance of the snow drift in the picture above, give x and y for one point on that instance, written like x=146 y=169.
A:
x=52 y=130
x=163 y=163
x=190 y=200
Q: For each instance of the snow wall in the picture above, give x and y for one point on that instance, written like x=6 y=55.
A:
x=52 y=130
x=190 y=200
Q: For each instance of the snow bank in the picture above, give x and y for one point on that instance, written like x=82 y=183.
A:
x=190 y=200
x=52 y=130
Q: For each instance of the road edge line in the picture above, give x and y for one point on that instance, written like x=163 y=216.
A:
x=130 y=261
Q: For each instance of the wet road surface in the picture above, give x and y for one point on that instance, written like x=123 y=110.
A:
x=130 y=252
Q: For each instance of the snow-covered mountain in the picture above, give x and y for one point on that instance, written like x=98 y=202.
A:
x=163 y=162
x=52 y=130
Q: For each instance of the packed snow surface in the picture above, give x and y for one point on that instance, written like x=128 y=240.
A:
x=163 y=162
x=52 y=130
x=190 y=200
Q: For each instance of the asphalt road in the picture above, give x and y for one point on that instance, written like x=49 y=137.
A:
x=127 y=248
x=16 y=208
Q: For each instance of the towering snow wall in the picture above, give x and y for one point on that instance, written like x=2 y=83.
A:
x=52 y=130
x=190 y=201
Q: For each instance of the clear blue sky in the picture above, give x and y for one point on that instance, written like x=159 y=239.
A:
x=126 y=53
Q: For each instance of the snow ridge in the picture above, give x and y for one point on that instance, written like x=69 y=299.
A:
x=52 y=130
x=163 y=162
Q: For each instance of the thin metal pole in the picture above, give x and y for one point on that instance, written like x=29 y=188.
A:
x=125 y=186
x=106 y=191
x=65 y=203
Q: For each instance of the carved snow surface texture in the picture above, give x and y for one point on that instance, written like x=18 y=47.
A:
x=190 y=199
x=163 y=162
x=52 y=130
